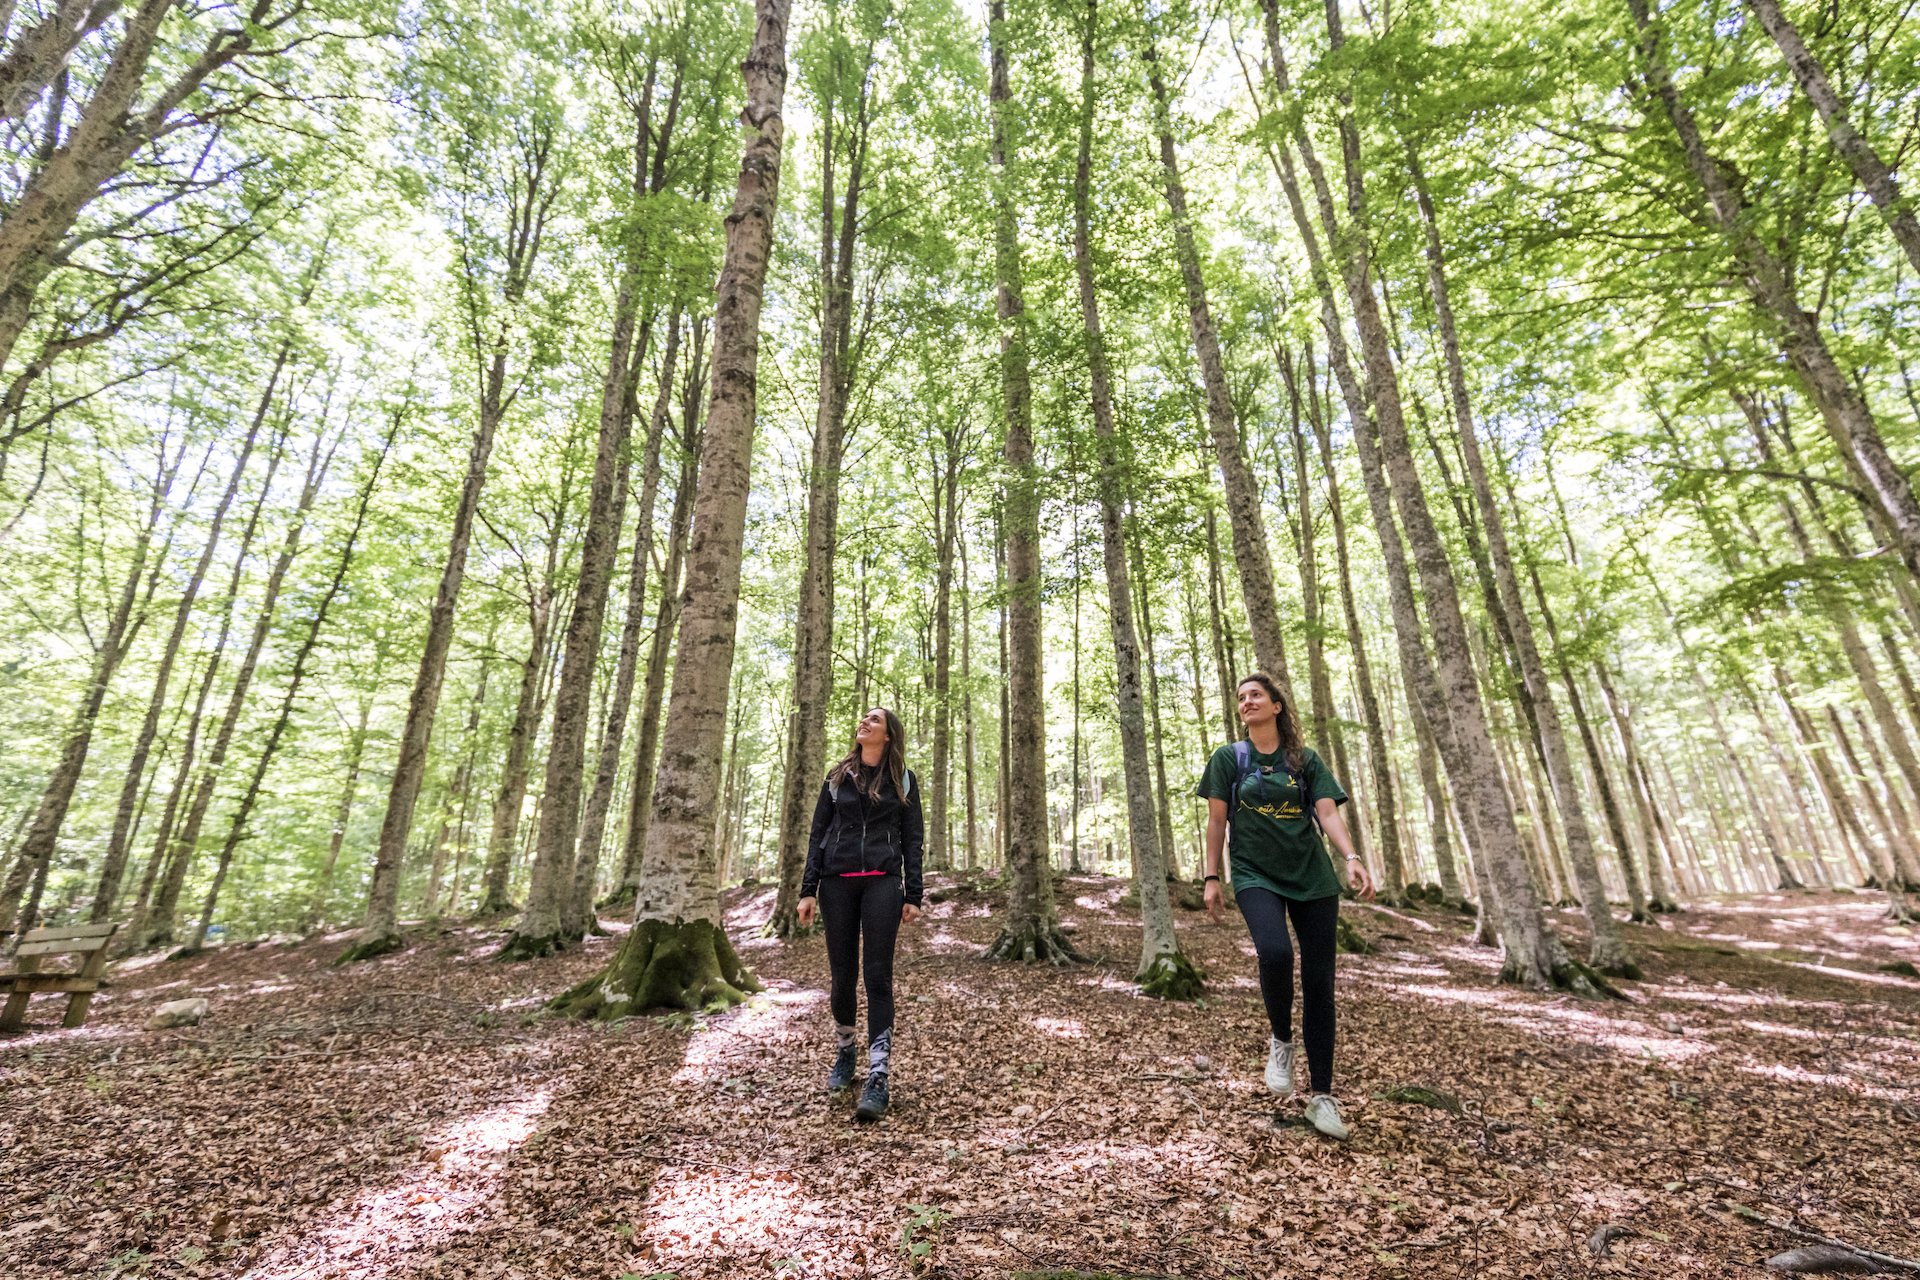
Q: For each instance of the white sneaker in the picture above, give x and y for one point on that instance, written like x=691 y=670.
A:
x=1323 y=1113
x=1279 y=1067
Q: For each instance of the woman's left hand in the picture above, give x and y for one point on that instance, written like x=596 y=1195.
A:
x=1361 y=879
x=909 y=913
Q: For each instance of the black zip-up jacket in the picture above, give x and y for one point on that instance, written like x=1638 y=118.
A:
x=852 y=834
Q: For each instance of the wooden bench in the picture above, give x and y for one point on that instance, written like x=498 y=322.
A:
x=88 y=940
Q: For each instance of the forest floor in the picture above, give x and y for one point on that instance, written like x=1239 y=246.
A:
x=421 y=1115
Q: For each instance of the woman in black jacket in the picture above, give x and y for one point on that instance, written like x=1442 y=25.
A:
x=863 y=871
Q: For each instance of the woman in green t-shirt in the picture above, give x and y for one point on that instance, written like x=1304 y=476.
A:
x=1279 y=797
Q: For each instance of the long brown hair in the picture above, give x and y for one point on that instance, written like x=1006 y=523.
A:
x=1292 y=741
x=894 y=762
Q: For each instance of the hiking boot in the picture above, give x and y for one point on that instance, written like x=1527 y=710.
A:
x=1279 y=1067
x=873 y=1099
x=842 y=1074
x=1323 y=1113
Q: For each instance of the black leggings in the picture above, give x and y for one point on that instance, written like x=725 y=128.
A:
x=1314 y=921
x=849 y=907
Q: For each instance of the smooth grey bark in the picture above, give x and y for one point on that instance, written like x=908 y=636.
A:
x=1534 y=956
x=678 y=952
x=813 y=617
x=1031 y=932
x=646 y=753
x=1608 y=951
x=1252 y=555
x=545 y=927
x=1163 y=970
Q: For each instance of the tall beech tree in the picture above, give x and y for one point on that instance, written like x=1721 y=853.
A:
x=1031 y=932
x=509 y=151
x=677 y=954
x=1164 y=971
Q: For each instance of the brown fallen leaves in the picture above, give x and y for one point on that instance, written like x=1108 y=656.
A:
x=420 y=1116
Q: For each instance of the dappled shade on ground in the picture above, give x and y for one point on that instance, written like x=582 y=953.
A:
x=422 y=1115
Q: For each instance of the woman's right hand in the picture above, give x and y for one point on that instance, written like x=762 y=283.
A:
x=1214 y=899
x=805 y=913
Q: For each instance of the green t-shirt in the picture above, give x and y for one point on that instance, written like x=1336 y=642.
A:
x=1274 y=843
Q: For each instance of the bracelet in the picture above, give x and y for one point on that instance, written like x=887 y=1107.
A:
x=1353 y=857
x=1210 y=878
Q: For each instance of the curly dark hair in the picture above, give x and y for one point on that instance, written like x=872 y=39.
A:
x=1292 y=741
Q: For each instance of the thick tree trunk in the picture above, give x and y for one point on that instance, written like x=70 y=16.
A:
x=1031 y=932
x=813 y=619
x=646 y=753
x=1163 y=970
x=1768 y=281
x=1252 y=556
x=678 y=953
x=1608 y=951
x=543 y=927
x=1438 y=809
x=1534 y=955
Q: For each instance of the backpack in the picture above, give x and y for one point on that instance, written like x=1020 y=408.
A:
x=1243 y=759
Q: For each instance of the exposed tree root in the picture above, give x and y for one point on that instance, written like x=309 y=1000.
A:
x=620 y=900
x=667 y=964
x=526 y=946
x=1034 y=942
x=1348 y=940
x=1172 y=976
x=369 y=948
x=492 y=906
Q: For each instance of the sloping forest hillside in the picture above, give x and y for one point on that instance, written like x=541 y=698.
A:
x=467 y=467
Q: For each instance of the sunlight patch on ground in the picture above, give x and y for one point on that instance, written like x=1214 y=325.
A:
x=1878 y=979
x=1065 y=1028
x=1635 y=1039
x=944 y=941
x=466 y=1161
x=695 y=1213
x=1416 y=923
x=1849 y=1084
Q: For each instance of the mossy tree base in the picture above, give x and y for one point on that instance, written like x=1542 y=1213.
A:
x=372 y=947
x=663 y=964
x=1348 y=940
x=528 y=946
x=1568 y=975
x=499 y=906
x=1172 y=976
x=620 y=900
x=1034 y=942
